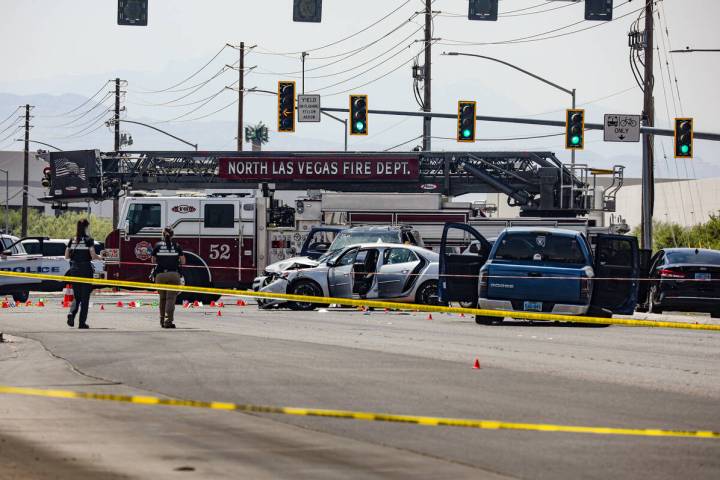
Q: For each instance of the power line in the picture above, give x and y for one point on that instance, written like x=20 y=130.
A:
x=99 y=103
x=65 y=114
x=189 y=77
x=10 y=116
x=533 y=38
x=342 y=39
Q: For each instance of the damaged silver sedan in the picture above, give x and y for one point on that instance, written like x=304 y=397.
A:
x=376 y=271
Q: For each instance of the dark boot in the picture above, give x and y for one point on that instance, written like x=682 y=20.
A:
x=83 y=325
x=71 y=320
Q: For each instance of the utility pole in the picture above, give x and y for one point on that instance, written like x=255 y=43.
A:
x=648 y=174
x=241 y=95
x=116 y=200
x=427 y=73
x=26 y=173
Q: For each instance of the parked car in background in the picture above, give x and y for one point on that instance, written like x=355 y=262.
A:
x=387 y=271
x=683 y=279
x=55 y=247
x=344 y=237
x=545 y=270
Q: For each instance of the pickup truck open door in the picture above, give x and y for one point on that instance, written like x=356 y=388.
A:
x=460 y=272
x=617 y=266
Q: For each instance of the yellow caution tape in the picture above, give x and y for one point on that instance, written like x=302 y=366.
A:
x=542 y=317
x=366 y=416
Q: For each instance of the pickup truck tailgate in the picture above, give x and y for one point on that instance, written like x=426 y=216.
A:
x=539 y=283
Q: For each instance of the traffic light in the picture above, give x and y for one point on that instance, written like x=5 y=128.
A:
x=286 y=106
x=133 y=12
x=598 y=9
x=483 y=10
x=358 y=115
x=683 y=138
x=575 y=129
x=307 y=11
x=46 y=177
x=466 y=121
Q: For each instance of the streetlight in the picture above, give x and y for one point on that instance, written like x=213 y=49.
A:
x=113 y=120
x=537 y=77
x=7 y=200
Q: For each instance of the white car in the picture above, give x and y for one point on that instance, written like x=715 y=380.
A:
x=15 y=258
x=388 y=271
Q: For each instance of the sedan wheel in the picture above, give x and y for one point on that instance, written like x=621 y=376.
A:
x=428 y=294
x=653 y=307
x=308 y=288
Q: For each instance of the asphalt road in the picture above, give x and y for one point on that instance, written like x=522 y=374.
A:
x=344 y=359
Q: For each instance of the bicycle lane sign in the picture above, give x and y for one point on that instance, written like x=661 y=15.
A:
x=622 y=128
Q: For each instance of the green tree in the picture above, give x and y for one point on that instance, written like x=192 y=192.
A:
x=669 y=235
x=62 y=226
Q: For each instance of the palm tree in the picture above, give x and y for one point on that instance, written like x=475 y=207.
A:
x=257 y=135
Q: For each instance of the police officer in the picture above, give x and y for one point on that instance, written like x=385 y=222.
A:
x=81 y=251
x=167 y=256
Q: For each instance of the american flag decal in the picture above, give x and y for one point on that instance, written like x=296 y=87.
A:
x=64 y=167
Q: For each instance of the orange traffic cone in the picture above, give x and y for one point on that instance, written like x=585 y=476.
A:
x=220 y=304
x=219 y=314
x=196 y=303
x=28 y=303
x=120 y=304
x=212 y=303
x=102 y=307
x=476 y=366
x=429 y=316
x=40 y=303
x=5 y=303
x=68 y=296
x=462 y=315
x=241 y=303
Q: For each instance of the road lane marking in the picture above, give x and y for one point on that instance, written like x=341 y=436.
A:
x=362 y=416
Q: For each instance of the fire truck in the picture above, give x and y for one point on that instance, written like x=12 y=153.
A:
x=232 y=233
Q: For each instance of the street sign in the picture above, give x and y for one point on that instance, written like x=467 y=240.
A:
x=622 y=128
x=308 y=108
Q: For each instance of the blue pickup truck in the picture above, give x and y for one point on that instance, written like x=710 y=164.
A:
x=547 y=270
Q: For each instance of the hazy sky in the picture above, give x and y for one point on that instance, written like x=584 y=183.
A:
x=74 y=46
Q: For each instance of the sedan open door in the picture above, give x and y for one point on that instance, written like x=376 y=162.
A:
x=459 y=272
x=617 y=268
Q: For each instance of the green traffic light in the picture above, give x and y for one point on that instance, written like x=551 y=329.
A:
x=466 y=133
x=575 y=140
x=685 y=148
x=359 y=126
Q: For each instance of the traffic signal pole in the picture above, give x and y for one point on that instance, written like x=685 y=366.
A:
x=648 y=175
x=427 y=101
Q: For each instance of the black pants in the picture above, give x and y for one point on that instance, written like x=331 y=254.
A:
x=81 y=291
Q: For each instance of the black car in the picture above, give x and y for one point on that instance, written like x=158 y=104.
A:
x=683 y=279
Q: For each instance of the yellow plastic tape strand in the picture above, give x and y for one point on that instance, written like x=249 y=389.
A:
x=546 y=317
x=365 y=416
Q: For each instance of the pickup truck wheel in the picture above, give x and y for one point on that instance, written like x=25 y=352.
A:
x=21 y=297
x=427 y=294
x=309 y=288
x=486 y=320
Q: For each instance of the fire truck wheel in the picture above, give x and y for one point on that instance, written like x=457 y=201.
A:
x=427 y=294
x=21 y=296
x=309 y=288
x=196 y=277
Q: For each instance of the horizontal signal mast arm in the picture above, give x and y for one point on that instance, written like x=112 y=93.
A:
x=526 y=121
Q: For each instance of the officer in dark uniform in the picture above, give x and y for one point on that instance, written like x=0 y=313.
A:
x=167 y=256
x=81 y=251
